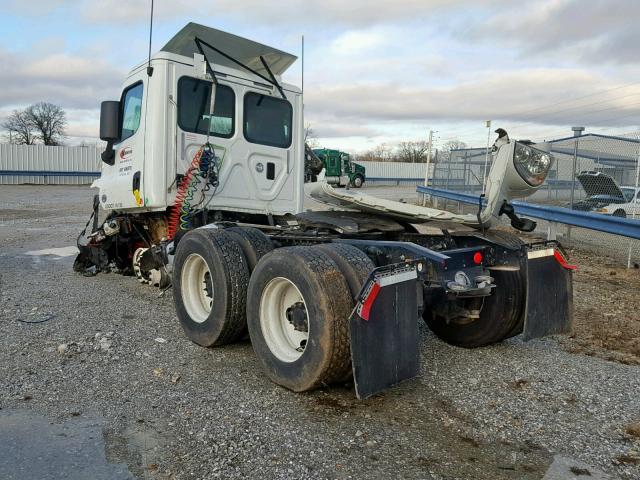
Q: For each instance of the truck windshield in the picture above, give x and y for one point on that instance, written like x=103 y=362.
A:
x=267 y=120
x=194 y=97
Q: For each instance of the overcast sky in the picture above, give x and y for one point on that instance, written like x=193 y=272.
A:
x=376 y=70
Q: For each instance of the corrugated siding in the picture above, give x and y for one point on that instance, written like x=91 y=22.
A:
x=40 y=159
x=394 y=172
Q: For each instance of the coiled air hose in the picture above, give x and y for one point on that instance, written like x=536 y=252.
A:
x=184 y=195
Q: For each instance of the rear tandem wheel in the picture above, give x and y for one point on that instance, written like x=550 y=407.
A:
x=502 y=313
x=298 y=307
x=253 y=242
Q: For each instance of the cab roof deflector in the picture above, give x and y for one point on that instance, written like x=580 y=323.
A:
x=230 y=50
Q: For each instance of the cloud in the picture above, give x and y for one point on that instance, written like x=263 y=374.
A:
x=66 y=80
x=36 y=7
x=330 y=127
x=375 y=69
x=323 y=14
x=520 y=96
x=356 y=41
x=595 y=31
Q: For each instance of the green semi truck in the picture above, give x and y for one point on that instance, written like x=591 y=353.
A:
x=339 y=169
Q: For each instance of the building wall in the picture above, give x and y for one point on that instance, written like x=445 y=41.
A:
x=45 y=165
x=394 y=172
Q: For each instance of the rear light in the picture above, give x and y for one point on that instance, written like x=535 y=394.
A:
x=563 y=261
x=477 y=258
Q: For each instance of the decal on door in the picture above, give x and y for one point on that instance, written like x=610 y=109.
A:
x=126 y=160
x=136 y=189
x=125 y=153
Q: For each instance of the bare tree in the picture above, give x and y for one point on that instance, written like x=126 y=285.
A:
x=49 y=121
x=380 y=153
x=413 y=152
x=310 y=136
x=20 y=128
x=454 y=144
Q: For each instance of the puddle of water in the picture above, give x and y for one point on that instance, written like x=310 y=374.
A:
x=34 y=447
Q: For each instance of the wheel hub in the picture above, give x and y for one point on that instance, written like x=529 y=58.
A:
x=197 y=288
x=284 y=320
x=208 y=285
x=297 y=316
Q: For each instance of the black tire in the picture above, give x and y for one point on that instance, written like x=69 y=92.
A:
x=502 y=314
x=500 y=318
x=506 y=239
x=620 y=213
x=229 y=277
x=253 y=242
x=354 y=264
x=326 y=357
x=358 y=181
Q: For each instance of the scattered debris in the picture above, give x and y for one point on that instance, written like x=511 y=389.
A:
x=161 y=340
x=628 y=459
x=566 y=468
x=519 y=383
x=633 y=429
x=577 y=471
x=103 y=342
x=46 y=318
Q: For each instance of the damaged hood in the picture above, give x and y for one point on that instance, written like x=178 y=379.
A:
x=403 y=212
x=598 y=183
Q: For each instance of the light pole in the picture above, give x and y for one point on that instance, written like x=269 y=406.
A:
x=486 y=158
x=426 y=172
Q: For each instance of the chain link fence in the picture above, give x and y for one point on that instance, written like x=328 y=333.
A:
x=592 y=173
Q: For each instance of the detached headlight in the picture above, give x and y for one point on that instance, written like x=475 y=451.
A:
x=532 y=164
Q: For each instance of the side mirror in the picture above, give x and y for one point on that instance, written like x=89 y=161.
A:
x=109 y=128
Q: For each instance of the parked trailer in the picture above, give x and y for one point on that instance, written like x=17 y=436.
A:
x=203 y=184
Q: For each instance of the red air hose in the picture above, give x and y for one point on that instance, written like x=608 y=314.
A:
x=174 y=216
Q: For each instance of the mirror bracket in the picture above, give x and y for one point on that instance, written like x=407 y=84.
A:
x=109 y=154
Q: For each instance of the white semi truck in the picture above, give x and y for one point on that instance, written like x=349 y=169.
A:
x=202 y=186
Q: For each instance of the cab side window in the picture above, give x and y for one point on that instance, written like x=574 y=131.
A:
x=194 y=102
x=267 y=120
x=131 y=105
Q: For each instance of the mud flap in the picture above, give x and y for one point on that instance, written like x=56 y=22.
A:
x=549 y=294
x=384 y=330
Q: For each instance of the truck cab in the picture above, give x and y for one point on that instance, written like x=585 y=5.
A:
x=163 y=117
x=339 y=169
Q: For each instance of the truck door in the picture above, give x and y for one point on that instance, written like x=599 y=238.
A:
x=194 y=103
x=125 y=183
x=267 y=127
x=252 y=137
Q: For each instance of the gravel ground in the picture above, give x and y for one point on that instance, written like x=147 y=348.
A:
x=113 y=353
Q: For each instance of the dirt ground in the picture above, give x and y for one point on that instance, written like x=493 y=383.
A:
x=606 y=313
x=107 y=379
x=606 y=321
